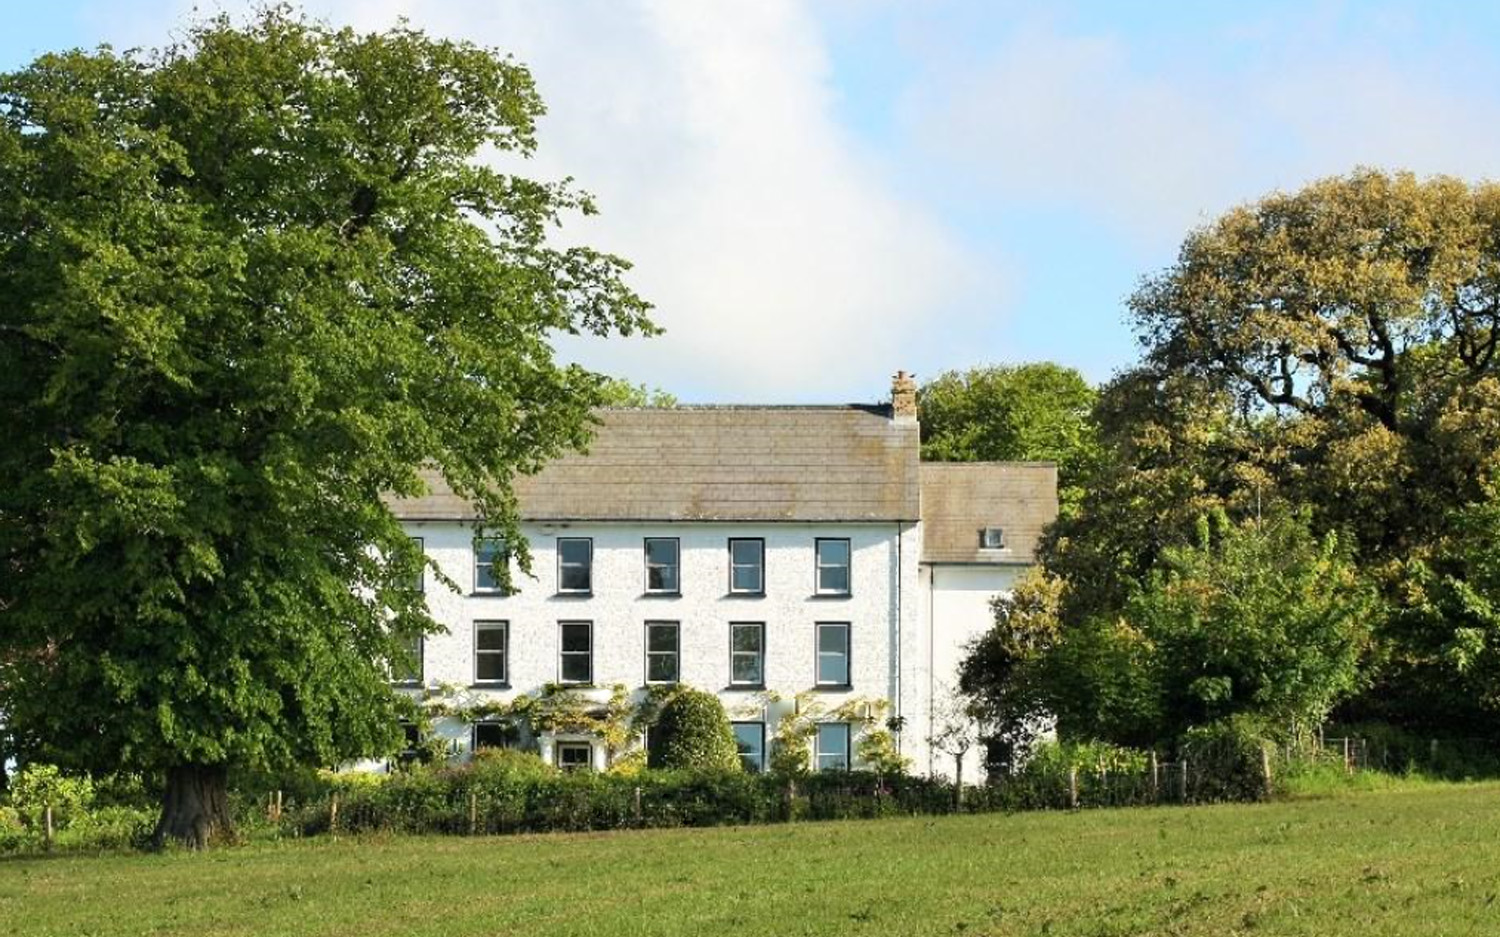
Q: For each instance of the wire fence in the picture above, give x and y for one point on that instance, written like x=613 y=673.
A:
x=456 y=802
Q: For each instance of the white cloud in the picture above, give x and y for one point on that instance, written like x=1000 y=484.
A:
x=780 y=261
x=1154 y=137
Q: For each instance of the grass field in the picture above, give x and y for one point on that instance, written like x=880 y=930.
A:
x=1398 y=862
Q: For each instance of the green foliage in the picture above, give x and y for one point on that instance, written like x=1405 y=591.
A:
x=1227 y=760
x=250 y=284
x=693 y=733
x=39 y=786
x=999 y=674
x=621 y=393
x=1028 y=412
x=1260 y=618
x=511 y=763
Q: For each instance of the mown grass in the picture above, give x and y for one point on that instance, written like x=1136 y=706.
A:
x=1407 y=861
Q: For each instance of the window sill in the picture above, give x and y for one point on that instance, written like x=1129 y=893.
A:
x=656 y=683
x=744 y=595
x=832 y=687
x=491 y=594
x=744 y=687
x=591 y=685
x=661 y=595
x=489 y=685
x=573 y=595
x=831 y=595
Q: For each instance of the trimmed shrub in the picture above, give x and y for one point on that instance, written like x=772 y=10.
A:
x=693 y=734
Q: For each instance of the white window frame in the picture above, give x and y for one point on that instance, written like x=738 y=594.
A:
x=676 y=651
x=760 y=655
x=589 y=566
x=474 y=745
x=819 y=653
x=760 y=566
x=500 y=556
x=419 y=677
x=563 y=654
x=758 y=764
x=421 y=543
x=504 y=653
x=819 y=566
x=561 y=745
x=675 y=566
x=819 y=752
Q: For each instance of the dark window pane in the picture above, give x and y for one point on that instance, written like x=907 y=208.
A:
x=833 y=579
x=746 y=668
x=661 y=552
x=661 y=668
x=662 y=638
x=575 y=637
x=746 y=552
x=575 y=557
x=833 y=552
x=662 y=578
x=746 y=579
x=492 y=735
x=833 y=668
x=490 y=667
x=749 y=738
x=490 y=639
x=747 y=638
x=575 y=668
x=485 y=578
x=833 y=746
x=833 y=638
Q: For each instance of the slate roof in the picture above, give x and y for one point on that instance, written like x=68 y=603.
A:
x=960 y=499
x=730 y=463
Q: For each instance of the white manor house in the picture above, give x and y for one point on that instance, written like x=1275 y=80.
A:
x=757 y=552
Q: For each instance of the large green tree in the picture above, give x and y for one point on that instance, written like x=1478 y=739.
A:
x=249 y=285
x=1028 y=412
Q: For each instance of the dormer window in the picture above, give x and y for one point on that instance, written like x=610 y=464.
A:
x=992 y=538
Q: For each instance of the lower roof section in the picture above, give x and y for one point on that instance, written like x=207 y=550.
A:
x=960 y=500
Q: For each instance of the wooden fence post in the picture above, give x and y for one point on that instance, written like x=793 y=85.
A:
x=473 y=813
x=47 y=813
x=1155 y=778
x=1184 y=778
x=1265 y=767
x=1073 y=788
x=638 y=805
x=1348 y=765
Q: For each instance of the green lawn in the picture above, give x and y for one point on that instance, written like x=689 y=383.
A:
x=1398 y=862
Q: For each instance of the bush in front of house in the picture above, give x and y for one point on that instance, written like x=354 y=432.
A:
x=693 y=734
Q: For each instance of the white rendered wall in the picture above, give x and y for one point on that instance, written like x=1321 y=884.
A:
x=958 y=610
x=619 y=609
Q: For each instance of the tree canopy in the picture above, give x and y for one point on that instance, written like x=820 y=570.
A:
x=250 y=284
x=1326 y=354
x=1038 y=411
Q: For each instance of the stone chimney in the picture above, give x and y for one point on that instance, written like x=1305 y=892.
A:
x=903 y=398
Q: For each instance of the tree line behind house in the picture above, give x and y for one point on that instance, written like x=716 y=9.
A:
x=1286 y=510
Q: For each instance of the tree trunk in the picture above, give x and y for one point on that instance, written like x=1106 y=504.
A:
x=195 y=807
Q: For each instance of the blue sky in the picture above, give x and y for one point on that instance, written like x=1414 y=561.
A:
x=816 y=194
